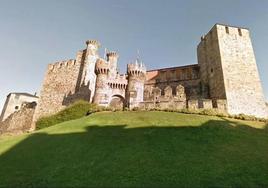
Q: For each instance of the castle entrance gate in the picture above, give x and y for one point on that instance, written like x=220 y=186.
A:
x=117 y=102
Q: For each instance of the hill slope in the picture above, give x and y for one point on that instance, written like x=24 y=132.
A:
x=126 y=149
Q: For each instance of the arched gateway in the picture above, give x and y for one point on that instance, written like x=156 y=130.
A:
x=117 y=102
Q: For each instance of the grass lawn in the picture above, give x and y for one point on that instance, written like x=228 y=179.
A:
x=138 y=149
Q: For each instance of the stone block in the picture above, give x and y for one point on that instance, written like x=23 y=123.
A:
x=206 y=104
x=193 y=104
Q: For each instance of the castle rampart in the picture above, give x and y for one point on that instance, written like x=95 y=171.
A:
x=60 y=80
x=187 y=76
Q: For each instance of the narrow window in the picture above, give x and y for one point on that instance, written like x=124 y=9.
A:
x=16 y=107
x=227 y=29
x=239 y=32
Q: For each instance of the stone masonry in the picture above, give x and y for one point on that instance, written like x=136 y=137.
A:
x=20 y=121
x=14 y=102
x=228 y=70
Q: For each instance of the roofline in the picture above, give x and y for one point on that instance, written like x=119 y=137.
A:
x=230 y=26
x=169 y=68
x=26 y=94
x=227 y=25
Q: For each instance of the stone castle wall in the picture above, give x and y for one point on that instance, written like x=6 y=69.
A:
x=20 y=121
x=59 y=86
x=14 y=102
x=68 y=81
x=229 y=70
x=242 y=83
x=186 y=76
x=209 y=61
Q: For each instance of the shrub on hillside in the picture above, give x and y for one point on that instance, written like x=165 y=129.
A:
x=247 y=117
x=74 y=111
x=136 y=109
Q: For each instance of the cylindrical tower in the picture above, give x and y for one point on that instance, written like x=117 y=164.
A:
x=102 y=71
x=89 y=66
x=112 y=58
x=136 y=78
x=92 y=47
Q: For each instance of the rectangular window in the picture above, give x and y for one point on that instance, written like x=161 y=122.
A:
x=227 y=29
x=239 y=32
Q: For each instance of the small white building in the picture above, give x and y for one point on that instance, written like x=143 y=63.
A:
x=14 y=102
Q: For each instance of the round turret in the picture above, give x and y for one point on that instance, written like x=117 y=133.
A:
x=102 y=67
x=136 y=69
x=136 y=78
x=92 y=48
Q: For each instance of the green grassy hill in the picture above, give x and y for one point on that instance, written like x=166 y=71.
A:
x=138 y=149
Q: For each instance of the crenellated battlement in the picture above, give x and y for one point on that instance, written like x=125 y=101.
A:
x=93 y=42
x=61 y=64
x=120 y=82
x=219 y=30
x=111 y=54
x=136 y=69
x=102 y=66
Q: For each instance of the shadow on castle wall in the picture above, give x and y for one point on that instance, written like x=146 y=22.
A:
x=82 y=93
x=218 y=153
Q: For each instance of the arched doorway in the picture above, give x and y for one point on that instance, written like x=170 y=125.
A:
x=117 y=102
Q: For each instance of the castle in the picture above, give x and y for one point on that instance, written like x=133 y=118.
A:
x=226 y=78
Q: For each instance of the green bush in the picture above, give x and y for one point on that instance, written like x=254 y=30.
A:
x=74 y=111
x=135 y=109
x=189 y=111
x=246 y=117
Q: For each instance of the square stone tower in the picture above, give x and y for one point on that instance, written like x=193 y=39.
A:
x=228 y=70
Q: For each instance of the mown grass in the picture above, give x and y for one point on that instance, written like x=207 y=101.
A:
x=138 y=149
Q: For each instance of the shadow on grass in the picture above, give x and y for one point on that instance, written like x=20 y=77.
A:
x=214 y=154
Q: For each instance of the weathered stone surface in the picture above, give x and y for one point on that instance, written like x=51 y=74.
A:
x=193 y=104
x=186 y=76
x=19 y=121
x=206 y=104
x=228 y=70
x=221 y=104
x=14 y=102
x=135 y=87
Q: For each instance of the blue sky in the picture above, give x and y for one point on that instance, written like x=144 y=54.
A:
x=34 y=33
